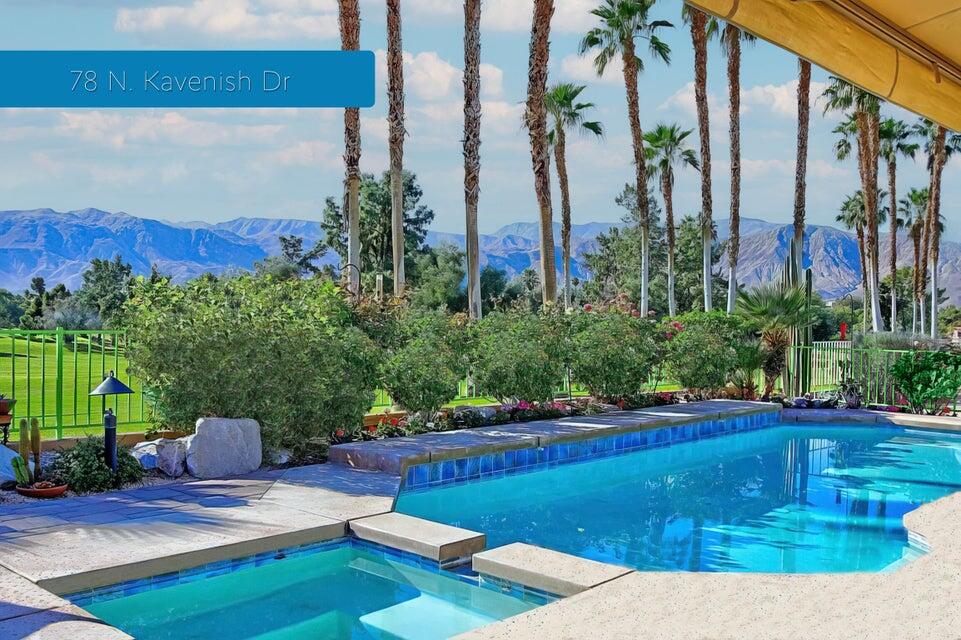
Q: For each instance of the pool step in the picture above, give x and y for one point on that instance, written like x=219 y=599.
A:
x=440 y=542
x=551 y=571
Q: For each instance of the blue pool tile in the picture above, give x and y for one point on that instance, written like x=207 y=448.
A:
x=498 y=461
x=473 y=467
x=486 y=464
x=421 y=475
x=460 y=468
x=510 y=459
x=447 y=470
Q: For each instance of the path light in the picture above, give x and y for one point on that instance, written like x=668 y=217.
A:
x=110 y=386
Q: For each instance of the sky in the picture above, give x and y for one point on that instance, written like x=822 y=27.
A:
x=213 y=165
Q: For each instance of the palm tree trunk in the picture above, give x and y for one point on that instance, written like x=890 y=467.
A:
x=629 y=60
x=472 y=141
x=536 y=117
x=800 y=168
x=699 y=37
x=349 y=14
x=666 y=192
x=867 y=161
x=917 y=291
x=560 y=157
x=893 y=232
x=733 y=37
x=934 y=214
x=862 y=252
x=395 y=118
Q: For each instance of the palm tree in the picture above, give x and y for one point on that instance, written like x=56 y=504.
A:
x=395 y=118
x=536 y=120
x=621 y=22
x=778 y=310
x=731 y=39
x=895 y=137
x=472 y=119
x=349 y=16
x=863 y=110
x=667 y=148
x=800 y=168
x=939 y=146
x=914 y=208
x=567 y=114
x=853 y=215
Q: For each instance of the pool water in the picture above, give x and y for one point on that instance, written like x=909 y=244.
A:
x=344 y=592
x=785 y=499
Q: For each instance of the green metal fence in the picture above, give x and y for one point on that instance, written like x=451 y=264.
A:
x=50 y=373
x=834 y=362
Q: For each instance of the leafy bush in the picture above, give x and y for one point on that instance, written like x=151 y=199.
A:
x=84 y=468
x=519 y=356
x=614 y=353
x=283 y=352
x=422 y=373
x=702 y=351
x=928 y=379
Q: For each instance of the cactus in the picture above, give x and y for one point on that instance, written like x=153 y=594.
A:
x=20 y=471
x=35 y=446
x=24 y=448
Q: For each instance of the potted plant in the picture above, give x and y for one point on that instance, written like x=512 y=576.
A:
x=27 y=484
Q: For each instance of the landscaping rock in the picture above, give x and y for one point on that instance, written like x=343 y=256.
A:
x=146 y=454
x=6 y=468
x=281 y=456
x=172 y=456
x=224 y=447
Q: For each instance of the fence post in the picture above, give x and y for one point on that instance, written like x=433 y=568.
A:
x=59 y=384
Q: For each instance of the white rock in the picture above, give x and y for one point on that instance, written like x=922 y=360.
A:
x=146 y=454
x=281 y=456
x=224 y=447
x=172 y=456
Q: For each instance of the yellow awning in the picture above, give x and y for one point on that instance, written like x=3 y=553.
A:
x=905 y=51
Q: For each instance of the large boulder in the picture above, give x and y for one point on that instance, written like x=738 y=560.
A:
x=172 y=456
x=6 y=467
x=146 y=454
x=224 y=447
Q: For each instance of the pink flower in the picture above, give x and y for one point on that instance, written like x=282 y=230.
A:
x=523 y=405
x=635 y=313
x=588 y=308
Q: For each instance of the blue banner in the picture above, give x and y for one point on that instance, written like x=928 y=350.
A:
x=223 y=79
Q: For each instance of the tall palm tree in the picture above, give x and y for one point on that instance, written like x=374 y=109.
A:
x=349 y=17
x=895 y=138
x=864 y=110
x=667 y=148
x=567 y=114
x=536 y=120
x=800 y=168
x=621 y=22
x=939 y=147
x=698 y=23
x=731 y=38
x=853 y=215
x=395 y=118
x=914 y=207
x=472 y=120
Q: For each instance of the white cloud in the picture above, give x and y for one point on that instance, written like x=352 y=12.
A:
x=173 y=172
x=306 y=153
x=581 y=68
x=683 y=101
x=780 y=99
x=570 y=16
x=240 y=19
x=492 y=81
x=429 y=77
x=753 y=169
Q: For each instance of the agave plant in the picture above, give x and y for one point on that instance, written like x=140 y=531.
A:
x=777 y=310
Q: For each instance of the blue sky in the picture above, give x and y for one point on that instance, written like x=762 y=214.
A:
x=212 y=165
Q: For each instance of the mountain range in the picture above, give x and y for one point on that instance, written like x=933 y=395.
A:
x=59 y=246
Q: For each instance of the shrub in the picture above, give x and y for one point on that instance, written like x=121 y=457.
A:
x=283 y=352
x=614 y=353
x=929 y=380
x=702 y=350
x=519 y=356
x=84 y=468
x=422 y=374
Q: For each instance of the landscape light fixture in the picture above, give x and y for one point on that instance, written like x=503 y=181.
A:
x=110 y=386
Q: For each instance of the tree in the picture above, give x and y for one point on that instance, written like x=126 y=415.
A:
x=667 y=147
x=567 y=114
x=621 y=22
x=913 y=208
x=106 y=288
x=349 y=17
x=853 y=215
x=395 y=119
x=472 y=119
x=800 y=168
x=11 y=309
x=895 y=138
x=293 y=261
x=441 y=274
x=376 y=222
x=863 y=110
x=41 y=303
x=535 y=119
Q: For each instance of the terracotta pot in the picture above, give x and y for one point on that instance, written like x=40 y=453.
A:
x=52 y=492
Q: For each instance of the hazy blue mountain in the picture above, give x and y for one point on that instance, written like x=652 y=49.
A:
x=59 y=246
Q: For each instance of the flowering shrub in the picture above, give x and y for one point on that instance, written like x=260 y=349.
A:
x=702 y=349
x=614 y=353
x=929 y=380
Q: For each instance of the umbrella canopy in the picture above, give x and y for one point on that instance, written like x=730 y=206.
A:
x=111 y=387
x=905 y=51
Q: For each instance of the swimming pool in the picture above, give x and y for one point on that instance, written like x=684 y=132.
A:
x=787 y=499
x=344 y=589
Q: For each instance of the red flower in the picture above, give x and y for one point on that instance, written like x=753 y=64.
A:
x=339 y=433
x=588 y=308
x=635 y=313
x=372 y=428
x=394 y=422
